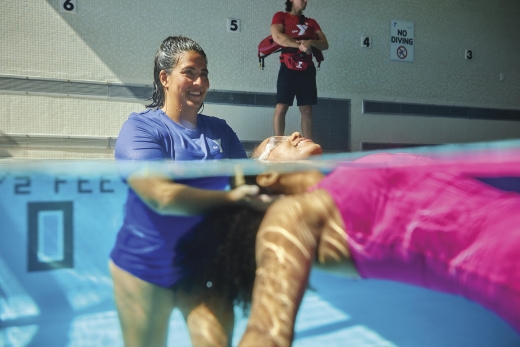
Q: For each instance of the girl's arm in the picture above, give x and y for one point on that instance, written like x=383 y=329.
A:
x=294 y=230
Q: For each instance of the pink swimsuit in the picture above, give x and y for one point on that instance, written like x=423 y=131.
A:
x=432 y=224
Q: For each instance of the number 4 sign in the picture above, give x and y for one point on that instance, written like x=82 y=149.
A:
x=366 y=42
x=68 y=6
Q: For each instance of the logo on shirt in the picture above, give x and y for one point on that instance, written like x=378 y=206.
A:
x=217 y=145
x=302 y=28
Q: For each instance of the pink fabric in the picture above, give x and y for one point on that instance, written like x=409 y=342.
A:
x=430 y=223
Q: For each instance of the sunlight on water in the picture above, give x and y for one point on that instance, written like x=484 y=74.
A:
x=84 y=290
x=359 y=336
x=61 y=299
x=17 y=336
x=97 y=329
x=15 y=302
x=316 y=312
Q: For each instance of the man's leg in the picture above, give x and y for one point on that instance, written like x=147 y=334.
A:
x=144 y=309
x=306 y=112
x=307 y=95
x=279 y=119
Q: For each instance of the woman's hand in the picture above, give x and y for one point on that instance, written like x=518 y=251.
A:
x=248 y=195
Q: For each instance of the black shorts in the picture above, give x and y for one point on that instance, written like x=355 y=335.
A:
x=301 y=84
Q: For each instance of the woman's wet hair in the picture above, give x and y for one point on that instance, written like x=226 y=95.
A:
x=219 y=254
x=288 y=6
x=166 y=58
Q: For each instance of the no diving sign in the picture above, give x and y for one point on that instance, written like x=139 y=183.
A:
x=401 y=41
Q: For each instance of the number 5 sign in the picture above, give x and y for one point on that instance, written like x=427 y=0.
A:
x=68 y=6
x=233 y=25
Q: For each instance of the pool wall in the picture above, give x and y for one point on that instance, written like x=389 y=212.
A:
x=68 y=79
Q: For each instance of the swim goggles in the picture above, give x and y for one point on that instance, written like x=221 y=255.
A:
x=271 y=144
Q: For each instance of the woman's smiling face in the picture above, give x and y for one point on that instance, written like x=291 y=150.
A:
x=188 y=82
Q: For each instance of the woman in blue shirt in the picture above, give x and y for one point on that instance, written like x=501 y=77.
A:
x=159 y=211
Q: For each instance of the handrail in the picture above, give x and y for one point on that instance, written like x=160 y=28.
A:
x=56 y=141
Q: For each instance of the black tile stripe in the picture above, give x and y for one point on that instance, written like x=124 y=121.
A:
x=400 y=108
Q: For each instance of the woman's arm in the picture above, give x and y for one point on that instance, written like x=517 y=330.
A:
x=236 y=150
x=166 y=197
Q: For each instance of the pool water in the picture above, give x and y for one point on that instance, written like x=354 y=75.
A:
x=58 y=224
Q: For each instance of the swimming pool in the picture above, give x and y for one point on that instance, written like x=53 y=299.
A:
x=58 y=222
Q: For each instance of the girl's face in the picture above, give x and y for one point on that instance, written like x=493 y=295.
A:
x=188 y=82
x=287 y=148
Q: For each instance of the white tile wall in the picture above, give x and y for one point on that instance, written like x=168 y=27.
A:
x=115 y=41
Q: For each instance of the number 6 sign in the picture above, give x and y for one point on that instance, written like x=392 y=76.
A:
x=68 y=6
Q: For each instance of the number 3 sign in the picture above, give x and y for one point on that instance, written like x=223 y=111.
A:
x=68 y=6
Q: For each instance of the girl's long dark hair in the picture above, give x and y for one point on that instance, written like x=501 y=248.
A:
x=166 y=58
x=219 y=254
